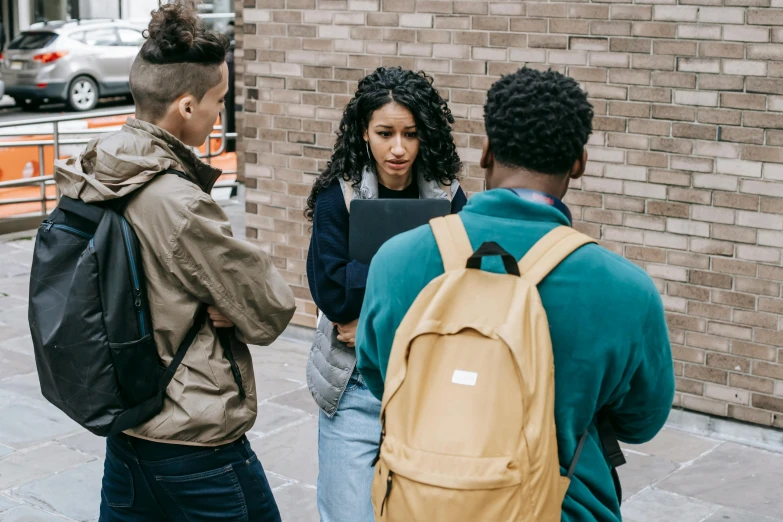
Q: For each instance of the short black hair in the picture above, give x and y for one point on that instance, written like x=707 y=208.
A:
x=538 y=120
x=180 y=56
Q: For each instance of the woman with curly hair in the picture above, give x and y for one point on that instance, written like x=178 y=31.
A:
x=394 y=141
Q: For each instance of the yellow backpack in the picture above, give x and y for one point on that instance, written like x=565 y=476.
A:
x=468 y=409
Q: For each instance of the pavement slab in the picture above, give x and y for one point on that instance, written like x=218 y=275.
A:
x=22 y=467
x=27 y=513
x=734 y=476
x=654 y=505
x=75 y=493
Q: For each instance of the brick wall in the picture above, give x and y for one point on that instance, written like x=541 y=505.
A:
x=685 y=175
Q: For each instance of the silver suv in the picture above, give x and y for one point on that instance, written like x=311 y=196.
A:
x=75 y=62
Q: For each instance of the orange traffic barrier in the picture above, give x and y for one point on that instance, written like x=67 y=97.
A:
x=22 y=162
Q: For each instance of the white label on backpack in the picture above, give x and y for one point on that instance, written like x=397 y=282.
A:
x=464 y=378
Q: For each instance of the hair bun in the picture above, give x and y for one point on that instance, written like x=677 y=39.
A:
x=174 y=28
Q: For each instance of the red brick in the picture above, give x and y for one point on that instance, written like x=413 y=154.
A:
x=671 y=112
x=703 y=373
x=686 y=385
x=630 y=45
x=674 y=79
x=765 y=16
x=569 y=27
x=547 y=41
x=757 y=286
x=765 y=402
x=774 y=138
x=762 y=119
x=742 y=135
x=600 y=12
x=720 y=313
x=655 y=30
x=764 y=85
x=610 y=28
x=718 y=116
x=721 y=50
x=747 y=382
x=708 y=342
x=655 y=128
x=774 y=371
x=774 y=306
x=688 y=130
x=750 y=415
x=728 y=362
x=528 y=25
x=652 y=255
x=675 y=47
x=636 y=12
x=655 y=63
x=715 y=82
x=602 y=123
x=710 y=279
x=754 y=351
x=490 y=23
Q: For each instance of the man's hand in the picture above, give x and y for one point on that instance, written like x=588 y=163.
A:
x=347 y=333
x=219 y=320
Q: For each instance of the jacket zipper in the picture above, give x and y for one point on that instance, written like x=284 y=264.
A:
x=388 y=490
x=136 y=286
x=50 y=225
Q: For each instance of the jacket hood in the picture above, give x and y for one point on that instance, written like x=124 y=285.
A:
x=117 y=164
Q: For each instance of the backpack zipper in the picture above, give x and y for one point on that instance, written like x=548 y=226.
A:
x=50 y=225
x=136 y=286
x=388 y=490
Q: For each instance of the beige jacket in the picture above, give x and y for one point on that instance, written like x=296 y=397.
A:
x=189 y=257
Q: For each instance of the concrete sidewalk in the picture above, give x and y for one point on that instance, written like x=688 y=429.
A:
x=50 y=468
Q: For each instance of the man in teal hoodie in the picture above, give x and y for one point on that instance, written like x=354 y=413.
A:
x=609 y=333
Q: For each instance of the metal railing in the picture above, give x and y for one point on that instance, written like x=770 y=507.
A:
x=45 y=180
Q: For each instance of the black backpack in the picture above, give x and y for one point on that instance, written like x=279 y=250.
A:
x=90 y=319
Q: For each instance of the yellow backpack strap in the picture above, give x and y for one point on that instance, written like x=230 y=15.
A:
x=549 y=252
x=348 y=195
x=452 y=241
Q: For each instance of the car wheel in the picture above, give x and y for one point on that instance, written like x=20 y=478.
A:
x=83 y=94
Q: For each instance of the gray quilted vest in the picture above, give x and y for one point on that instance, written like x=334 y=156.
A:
x=331 y=362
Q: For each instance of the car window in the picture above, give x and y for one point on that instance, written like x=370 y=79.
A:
x=101 y=37
x=30 y=41
x=130 y=38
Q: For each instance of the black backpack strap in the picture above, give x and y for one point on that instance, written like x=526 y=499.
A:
x=611 y=447
x=140 y=413
x=577 y=453
x=609 y=440
x=86 y=211
x=198 y=324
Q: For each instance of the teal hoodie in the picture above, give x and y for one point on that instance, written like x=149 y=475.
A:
x=609 y=334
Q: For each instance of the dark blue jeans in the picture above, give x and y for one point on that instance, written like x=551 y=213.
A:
x=154 y=482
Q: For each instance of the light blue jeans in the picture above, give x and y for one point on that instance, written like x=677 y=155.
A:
x=347 y=444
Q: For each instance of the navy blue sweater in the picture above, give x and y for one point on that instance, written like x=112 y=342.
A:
x=336 y=281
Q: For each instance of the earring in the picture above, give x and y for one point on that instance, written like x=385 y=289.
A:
x=367 y=145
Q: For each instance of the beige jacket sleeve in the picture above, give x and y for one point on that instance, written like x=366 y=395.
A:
x=235 y=276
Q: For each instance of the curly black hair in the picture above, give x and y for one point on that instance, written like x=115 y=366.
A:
x=538 y=120
x=437 y=158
